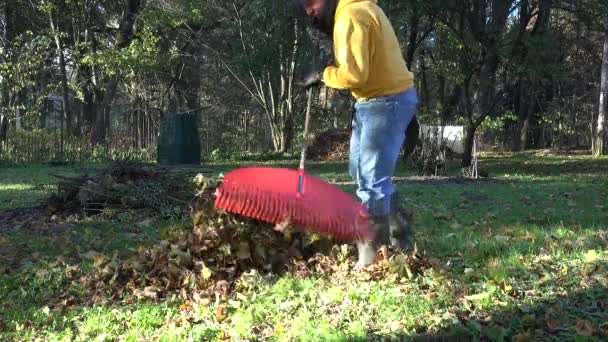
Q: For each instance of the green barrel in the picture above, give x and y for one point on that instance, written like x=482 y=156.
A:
x=179 y=141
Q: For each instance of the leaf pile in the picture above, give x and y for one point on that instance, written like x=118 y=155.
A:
x=331 y=145
x=122 y=185
x=204 y=259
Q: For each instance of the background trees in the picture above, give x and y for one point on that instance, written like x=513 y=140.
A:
x=100 y=74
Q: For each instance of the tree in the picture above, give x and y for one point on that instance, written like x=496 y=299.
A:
x=599 y=147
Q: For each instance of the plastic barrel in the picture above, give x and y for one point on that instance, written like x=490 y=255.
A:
x=179 y=141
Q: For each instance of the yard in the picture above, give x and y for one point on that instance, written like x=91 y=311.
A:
x=521 y=255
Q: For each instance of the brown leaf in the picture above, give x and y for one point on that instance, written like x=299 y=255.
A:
x=602 y=235
x=584 y=327
x=507 y=229
x=528 y=237
x=442 y=216
x=224 y=336
x=220 y=314
x=553 y=324
x=522 y=338
x=187 y=306
x=150 y=292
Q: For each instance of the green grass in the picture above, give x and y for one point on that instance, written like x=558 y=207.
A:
x=25 y=186
x=524 y=254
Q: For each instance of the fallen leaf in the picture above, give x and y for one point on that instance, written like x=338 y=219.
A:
x=584 y=327
x=220 y=314
x=507 y=229
x=149 y=292
x=591 y=256
x=187 y=306
x=528 y=237
x=602 y=235
x=224 y=336
x=279 y=329
x=521 y=338
x=478 y=297
x=456 y=226
x=553 y=324
x=442 y=216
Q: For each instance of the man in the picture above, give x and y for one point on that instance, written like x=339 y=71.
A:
x=369 y=63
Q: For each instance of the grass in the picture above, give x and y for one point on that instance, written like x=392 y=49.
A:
x=522 y=256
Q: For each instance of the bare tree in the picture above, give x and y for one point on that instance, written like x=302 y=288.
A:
x=600 y=133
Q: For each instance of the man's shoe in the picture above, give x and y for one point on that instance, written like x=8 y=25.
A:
x=367 y=249
x=401 y=232
x=401 y=226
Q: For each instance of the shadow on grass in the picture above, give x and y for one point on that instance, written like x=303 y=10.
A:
x=578 y=316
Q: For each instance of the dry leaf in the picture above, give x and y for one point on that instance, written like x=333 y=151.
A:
x=522 y=338
x=220 y=314
x=148 y=292
x=507 y=229
x=478 y=297
x=584 y=327
x=224 y=336
x=591 y=256
x=553 y=324
x=456 y=226
x=528 y=237
x=442 y=216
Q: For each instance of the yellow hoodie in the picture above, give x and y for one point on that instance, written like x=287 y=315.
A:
x=367 y=52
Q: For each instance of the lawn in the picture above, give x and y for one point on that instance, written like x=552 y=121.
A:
x=519 y=256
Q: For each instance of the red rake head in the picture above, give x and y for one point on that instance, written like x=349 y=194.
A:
x=271 y=195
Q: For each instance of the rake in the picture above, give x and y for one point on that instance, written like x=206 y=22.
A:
x=281 y=195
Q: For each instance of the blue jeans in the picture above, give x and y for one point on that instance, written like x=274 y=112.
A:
x=378 y=133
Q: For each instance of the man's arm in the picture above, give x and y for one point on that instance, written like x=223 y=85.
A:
x=353 y=49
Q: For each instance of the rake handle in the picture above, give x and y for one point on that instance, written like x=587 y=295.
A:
x=304 y=142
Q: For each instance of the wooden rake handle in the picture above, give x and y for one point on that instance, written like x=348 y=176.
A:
x=304 y=142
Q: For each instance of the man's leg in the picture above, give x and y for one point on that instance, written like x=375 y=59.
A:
x=382 y=132
x=383 y=124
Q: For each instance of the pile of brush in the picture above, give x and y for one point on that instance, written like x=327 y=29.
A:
x=123 y=185
x=332 y=145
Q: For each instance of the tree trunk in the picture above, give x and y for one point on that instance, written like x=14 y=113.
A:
x=599 y=148
x=3 y=128
x=101 y=124
x=469 y=141
x=66 y=112
x=483 y=99
x=412 y=40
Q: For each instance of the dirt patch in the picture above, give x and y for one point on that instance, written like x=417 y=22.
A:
x=23 y=217
x=422 y=180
